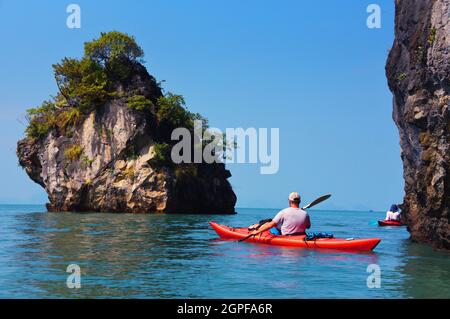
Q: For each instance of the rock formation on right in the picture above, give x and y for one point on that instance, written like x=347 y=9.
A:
x=418 y=72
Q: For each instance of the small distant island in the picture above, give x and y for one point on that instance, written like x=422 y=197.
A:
x=102 y=144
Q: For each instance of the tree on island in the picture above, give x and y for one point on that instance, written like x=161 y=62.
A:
x=83 y=84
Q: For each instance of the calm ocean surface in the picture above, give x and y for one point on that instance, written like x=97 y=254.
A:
x=179 y=256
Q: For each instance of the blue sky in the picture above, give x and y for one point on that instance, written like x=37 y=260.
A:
x=312 y=69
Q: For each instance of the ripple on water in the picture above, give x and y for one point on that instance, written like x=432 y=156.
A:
x=180 y=256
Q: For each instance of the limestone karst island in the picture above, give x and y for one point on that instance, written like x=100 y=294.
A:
x=103 y=143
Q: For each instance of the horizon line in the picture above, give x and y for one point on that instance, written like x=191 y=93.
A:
x=259 y=208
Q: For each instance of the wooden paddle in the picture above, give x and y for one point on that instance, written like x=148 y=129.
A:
x=313 y=203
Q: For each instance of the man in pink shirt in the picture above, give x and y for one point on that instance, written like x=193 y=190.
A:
x=290 y=221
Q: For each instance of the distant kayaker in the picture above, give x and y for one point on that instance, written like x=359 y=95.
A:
x=393 y=213
x=290 y=221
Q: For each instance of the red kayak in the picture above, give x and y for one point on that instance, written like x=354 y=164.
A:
x=350 y=244
x=390 y=223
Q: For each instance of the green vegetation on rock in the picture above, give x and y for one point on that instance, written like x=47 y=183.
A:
x=48 y=116
x=140 y=103
x=41 y=120
x=82 y=83
x=100 y=76
x=432 y=36
x=113 y=46
x=401 y=77
x=73 y=152
x=162 y=154
x=110 y=69
x=130 y=172
x=86 y=161
x=69 y=117
x=171 y=109
x=131 y=153
x=86 y=83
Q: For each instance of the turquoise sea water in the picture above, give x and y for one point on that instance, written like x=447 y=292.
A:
x=179 y=256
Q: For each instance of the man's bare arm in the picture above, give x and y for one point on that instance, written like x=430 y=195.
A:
x=265 y=227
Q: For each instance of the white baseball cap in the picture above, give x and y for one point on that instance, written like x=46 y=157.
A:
x=294 y=197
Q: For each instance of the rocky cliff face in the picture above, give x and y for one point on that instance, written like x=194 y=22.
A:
x=105 y=161
x=418 y=71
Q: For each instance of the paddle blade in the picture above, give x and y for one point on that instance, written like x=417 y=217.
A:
x=317 y=201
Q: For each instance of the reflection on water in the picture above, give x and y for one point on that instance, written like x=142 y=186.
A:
x=179 y=256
